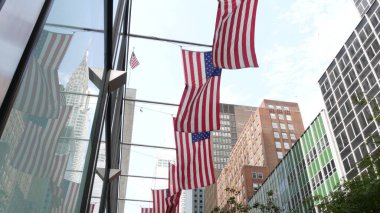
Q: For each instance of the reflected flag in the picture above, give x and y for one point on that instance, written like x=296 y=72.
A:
x=58 y=168
x=133 y=62
x=233 y=46
x=35 y=152
x=70 y=200
x=39 y=90
x=159 y=200
x=199 y=107
x=146 y=210
x=195 y=165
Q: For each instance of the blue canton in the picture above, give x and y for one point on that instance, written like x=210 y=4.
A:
x=195 y=137
x=210 y=69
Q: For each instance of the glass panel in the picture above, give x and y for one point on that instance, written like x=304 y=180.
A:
x=44 y=147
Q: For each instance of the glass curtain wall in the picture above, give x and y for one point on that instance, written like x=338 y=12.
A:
x=44 y=146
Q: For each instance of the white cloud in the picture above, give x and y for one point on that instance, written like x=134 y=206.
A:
x=292 y=69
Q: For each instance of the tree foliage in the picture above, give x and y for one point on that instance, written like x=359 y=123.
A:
x=233 y=206
x=362 y=193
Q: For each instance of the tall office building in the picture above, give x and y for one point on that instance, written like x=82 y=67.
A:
x=267 y=136
x=232 y=121
x=363 y=5
x=312 y=167
x=76 y=96
x=354 y=76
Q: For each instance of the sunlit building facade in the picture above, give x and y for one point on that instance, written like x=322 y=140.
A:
x=269 y=134
x=312 y=167
x=351 y=89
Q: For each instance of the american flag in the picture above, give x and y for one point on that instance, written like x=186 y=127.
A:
x=172 y=200
x=133 y=62
x=35 y=153
x=159 y=200
x=146 y=210
x=194 y=160
x=92 y=207
x=58 y=168
x=39 y=91
x=173 y=179
x=199 y=107
x=233 y=46
x=172 y=203
x=70 y=198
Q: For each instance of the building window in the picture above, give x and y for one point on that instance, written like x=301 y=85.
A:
x=278 y=145
x=284 y=135
x=286 y=108
x=279 y=155
x=286 y=145
x=260 y=175
x=275 y=125
x=281 y=116
x=282 y=126
x=293 y=136
x=290 y=127
x=278 y=107
x=254 y=175
x=276 y=135
x=271 y=106
x=273 y=116
x=288 y=117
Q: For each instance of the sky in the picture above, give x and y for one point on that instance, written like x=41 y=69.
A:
x=295 y=42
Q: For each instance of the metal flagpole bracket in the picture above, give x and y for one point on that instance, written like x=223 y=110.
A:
x=117 y=78
x=114 y=173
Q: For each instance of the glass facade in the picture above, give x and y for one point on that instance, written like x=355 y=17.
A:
x=306 y=170
x=45 y=151
x=363 y=5
x=354 y=75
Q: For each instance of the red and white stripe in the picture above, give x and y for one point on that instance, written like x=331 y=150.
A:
x=146 y=210
x=233 y=46
x=159 y=200
x=58 y=168
x=173 y=179
x=200 y=103
x=35 y=153
x=70 y=201
x=39 y=91
x=194 y=162
x=172 y=202
x=133 y=62
x=92 y=207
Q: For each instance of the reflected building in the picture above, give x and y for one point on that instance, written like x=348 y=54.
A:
x=232 y=121
x=76 y=91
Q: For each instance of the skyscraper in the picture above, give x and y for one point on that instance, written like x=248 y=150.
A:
x=267 y=136
x=311 y=168
x=232 y=121
x=352 y=77
x=363 y=6
x=76 y=96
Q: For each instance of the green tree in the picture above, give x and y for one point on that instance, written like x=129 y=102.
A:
x=362 y=193
x=233 y=206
